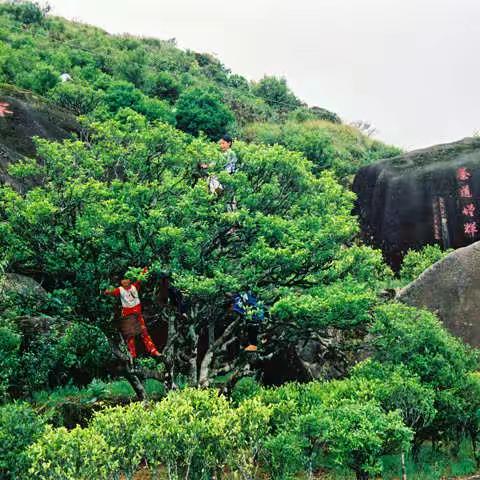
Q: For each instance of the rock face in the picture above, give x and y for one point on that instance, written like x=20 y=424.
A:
x=22 y=117
x=423 y=197
x=451 y=289
x=13 y=283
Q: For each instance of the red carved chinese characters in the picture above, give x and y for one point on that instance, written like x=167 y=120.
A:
x=470 y=229
x=470 y=226
x=469 y=210
x=465 y=192
x=463 y=175
x=4 y=109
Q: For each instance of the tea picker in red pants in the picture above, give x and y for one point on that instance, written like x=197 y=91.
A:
x=132 y=318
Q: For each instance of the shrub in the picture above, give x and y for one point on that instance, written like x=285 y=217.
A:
x=245 y=388
x=79 y=99
x=276 y=93
x=328 y=145
x=164 y=86
x=10 y=342
x=201 y=110
x=190 y=432
x=251 y=423
x=155 y=109
x=283 y=455
x=357 y=435
x=20 y=427
x=28 y=12
x=416 y=262
x=78 y=454
x=118 y=427
x=417 y=339
x=396 y=388
x=120 y=94
x=42 y=79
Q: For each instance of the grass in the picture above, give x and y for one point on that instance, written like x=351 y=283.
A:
x=433 y=464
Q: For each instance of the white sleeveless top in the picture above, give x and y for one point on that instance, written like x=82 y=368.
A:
x=129 y=297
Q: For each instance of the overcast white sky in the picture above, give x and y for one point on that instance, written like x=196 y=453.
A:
x=411 y=67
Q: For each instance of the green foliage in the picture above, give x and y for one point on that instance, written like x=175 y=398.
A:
x=27 y=12
x=79 y=99
x=9 y=358
x=156 y=110
x=118 y=426
x=199 y=110
x=397 y=389
x=42 y=79
x=442 y=363
x=78 y=454
x=283 y=455
x=416 y=262
x=329 y=146
x=426 y=348
x=20 y=427
x=190 y=432
x=357 y=435
x=245 y=388
x=277 y=94
x=120 y=94
x=164 y=86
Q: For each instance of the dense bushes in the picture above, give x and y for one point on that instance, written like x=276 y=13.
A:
x=328 y=145
x=10 y=342
x=20 y=427
x=199 y=110
x=416 y=262
x=195 y=434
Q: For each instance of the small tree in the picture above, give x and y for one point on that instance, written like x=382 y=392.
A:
x=79 y=99
x=277 y=94
x=416 y=339
x=78 y=454
x=164 y=86
x=200 y=110
x=357 y=435
x=28 y=12
x=20 y=426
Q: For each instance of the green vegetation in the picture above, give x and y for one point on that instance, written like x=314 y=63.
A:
x=417 y=261
x=340 y=148
x=131 y=191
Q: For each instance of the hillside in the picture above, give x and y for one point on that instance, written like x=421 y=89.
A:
x=190 y=90
x=223 y=285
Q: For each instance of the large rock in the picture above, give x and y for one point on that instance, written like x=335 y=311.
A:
x=451 y=289
x=22 y=117
x=423 y=197
x=21 y=286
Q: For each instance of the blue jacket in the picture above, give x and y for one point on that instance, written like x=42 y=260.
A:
x=246 y=301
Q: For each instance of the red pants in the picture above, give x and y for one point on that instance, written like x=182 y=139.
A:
x=147 y=341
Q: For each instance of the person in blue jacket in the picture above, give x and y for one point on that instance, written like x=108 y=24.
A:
x=247 y=306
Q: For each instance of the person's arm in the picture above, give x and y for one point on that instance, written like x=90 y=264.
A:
x=139 y=282
x=114 y=292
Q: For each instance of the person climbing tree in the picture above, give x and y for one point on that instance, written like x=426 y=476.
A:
x=133 y=322
x=230 y=166
x=226 y=143
x=248 y=307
